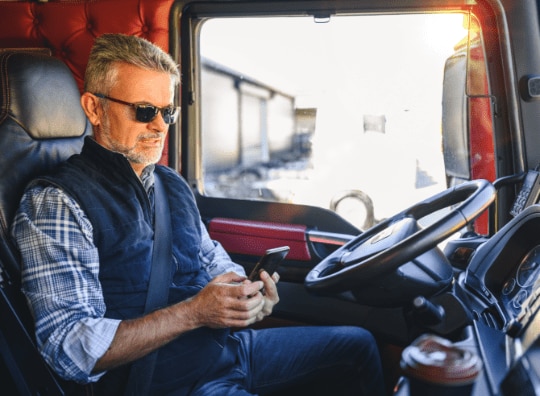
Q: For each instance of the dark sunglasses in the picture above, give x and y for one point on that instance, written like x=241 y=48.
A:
x=145 y=112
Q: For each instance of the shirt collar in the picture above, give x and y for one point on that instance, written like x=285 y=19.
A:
x=147 y=177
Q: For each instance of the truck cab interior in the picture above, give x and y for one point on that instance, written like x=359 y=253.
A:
x=392 y=145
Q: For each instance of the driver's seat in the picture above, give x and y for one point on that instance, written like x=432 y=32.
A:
x=41 y=124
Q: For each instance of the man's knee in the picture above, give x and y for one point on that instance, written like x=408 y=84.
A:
x=356 y=339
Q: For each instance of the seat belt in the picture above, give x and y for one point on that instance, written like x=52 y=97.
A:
x=142 y=370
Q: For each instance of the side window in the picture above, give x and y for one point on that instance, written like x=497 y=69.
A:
x=344 y=113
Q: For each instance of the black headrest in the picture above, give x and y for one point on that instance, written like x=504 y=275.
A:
x=41 y=123
x=39 y=92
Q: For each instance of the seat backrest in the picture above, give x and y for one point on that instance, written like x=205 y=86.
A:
x=41 y=125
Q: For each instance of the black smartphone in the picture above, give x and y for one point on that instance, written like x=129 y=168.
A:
x=269 y=262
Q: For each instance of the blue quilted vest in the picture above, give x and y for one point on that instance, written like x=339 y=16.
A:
x=117 y=205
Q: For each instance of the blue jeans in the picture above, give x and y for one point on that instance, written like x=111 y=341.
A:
x=274 y=360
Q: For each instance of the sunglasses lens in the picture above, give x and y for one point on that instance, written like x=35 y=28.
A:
x=170 y=114
x=146 y=113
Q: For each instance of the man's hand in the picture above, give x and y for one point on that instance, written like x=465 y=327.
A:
x=228 y=301
x=271 y=296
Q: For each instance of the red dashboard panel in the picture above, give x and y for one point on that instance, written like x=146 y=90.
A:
x=255 y=237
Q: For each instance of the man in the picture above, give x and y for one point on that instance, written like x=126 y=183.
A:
x=85 y=234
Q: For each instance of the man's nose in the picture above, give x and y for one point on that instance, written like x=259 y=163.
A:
x=158 y=124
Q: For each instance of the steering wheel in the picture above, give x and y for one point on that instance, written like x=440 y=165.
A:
x=396 y=260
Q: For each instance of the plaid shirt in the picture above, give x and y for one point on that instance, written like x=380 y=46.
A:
x=60 y=279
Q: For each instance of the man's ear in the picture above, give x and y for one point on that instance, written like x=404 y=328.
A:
x=92 y=107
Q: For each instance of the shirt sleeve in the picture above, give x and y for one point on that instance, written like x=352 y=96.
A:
x=214 y=258
x=60 y=269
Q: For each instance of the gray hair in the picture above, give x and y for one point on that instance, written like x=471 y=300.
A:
x=110 y=49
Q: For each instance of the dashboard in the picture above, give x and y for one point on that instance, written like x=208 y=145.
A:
x=504 y=271
x=521 y=283
x=502 y=285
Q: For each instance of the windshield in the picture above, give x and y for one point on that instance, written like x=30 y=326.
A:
x=342 y=113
